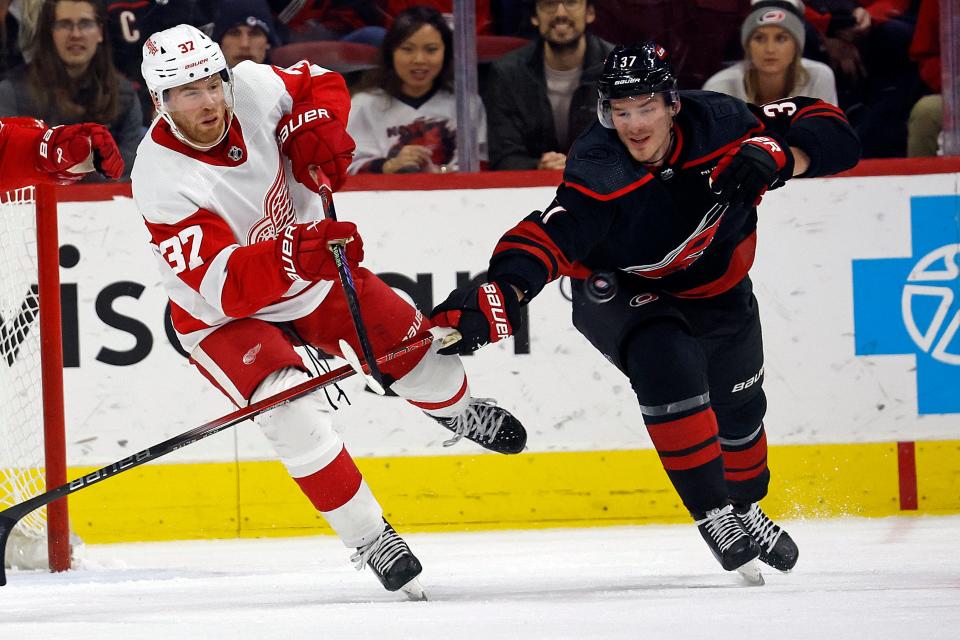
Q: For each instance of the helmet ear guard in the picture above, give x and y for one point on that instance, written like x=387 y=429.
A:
x=635 y=70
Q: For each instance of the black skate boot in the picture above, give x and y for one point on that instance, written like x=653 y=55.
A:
x=777 y=548
x=730 y=543
x=488 y=425
x=393 y=563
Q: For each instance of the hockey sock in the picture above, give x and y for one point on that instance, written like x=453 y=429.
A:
x=690 y=452
x=745 y=466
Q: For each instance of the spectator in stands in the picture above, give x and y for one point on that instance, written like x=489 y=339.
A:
x=404 y=116
x=542 y=95
x=362 y=21
x=71 y=78
x=773 y=37
x=925 y=127
x=129 y=24
x=244 y=29
x=10 y=54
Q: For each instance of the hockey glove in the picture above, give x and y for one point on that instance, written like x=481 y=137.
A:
x=304 y=254
x=745 y=172
x=64 y=150
x=482 y=314
x=311 y=137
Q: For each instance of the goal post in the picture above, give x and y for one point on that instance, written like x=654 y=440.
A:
x=32 y=435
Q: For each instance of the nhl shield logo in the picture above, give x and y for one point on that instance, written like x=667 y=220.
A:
x=235 y=153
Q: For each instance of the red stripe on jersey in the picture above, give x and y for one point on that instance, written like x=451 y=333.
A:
x=722 y=150
x=334 y=485
x=740 y=263
x=537 y=234
x=222 y=155
x=818 y=106
x=324 y=91
x=748 y=458
x=684 y=433
x=696 y=459
x=433 y=406
x=610 y=196
x=183 y=322
x=536 y=252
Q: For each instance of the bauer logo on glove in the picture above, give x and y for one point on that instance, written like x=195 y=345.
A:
x=482 y=314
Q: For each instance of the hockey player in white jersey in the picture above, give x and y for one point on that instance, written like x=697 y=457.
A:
x=224 y=179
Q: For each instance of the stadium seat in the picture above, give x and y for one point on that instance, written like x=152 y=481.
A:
x=490 y=48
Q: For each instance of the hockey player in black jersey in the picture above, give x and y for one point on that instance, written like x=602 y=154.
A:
x=662 y=191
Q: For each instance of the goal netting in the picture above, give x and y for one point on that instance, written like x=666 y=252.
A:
x=31 y=403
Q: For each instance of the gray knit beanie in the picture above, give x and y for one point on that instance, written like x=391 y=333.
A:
x=787 y=14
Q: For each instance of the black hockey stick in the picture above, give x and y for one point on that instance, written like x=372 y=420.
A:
x=371 y=372
x=10 y=516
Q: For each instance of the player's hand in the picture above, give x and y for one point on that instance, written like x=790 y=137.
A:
x=482 y=314
x=304 y=252
x=64 y=152
x=745 y=172
x=311 y=137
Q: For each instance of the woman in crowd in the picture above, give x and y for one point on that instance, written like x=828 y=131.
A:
x=71 y=77
x=404 y=116
x=773 y=66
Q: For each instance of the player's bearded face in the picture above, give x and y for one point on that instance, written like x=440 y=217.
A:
x=643 y=124
x=199 y=109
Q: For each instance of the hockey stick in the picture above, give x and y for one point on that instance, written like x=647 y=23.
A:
x=371 y=372
x=10 y=516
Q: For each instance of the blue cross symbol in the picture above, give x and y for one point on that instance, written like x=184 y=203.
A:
x=912 y=305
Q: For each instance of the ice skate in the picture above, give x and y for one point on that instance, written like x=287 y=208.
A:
x=488 y=425
x=777 y=548
x=394 y=564
x=730 y=543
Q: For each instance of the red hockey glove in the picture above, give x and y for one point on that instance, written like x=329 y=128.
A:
x=745 y=172
x=304 y=254
x=311 y=137
x=482 y=314
x=64 y=150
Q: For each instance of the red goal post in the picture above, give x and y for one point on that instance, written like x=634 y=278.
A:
x=32 y=434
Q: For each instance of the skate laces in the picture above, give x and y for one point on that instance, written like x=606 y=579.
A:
x=723 y=526
x=381 y=553
x=763 y=529
x=480 y=419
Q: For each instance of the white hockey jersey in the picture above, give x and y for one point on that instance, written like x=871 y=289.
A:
x=213 y=216
x=381 y=125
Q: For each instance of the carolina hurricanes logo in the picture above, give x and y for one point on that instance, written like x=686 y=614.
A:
x=689 y=251
x=772 y=16
x=251 y=356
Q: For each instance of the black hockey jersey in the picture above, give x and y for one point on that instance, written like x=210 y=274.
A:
x=667 y=226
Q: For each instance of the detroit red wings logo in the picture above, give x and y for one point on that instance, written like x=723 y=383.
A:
x=278 y=211
x=688 y=251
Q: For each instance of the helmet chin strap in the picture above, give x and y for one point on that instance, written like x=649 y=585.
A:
x=656 y=163
x=179 y=135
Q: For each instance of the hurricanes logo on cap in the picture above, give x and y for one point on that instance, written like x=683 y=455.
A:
x=772 y=16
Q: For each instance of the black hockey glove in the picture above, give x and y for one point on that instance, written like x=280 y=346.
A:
x=482 y=314
x=745 y=172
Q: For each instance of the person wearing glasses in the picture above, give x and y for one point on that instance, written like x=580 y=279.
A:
x=552 y=96
x=71 y=78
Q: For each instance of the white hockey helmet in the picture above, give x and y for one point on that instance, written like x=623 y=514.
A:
x=178 y=56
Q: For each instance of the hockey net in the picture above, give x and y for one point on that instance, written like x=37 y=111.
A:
x=32 y=454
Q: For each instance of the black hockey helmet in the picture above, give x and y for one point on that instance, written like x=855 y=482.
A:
x=634 y=70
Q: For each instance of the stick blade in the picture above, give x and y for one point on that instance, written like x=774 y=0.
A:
x=354 y=361
x=6 y=527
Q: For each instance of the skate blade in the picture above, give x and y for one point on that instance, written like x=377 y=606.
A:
x=414 y=591
x=750 y=572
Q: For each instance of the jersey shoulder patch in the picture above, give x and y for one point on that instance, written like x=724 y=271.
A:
x=600 y=165
x=713 y=120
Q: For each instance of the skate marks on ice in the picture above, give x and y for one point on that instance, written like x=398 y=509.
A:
x=856 y=578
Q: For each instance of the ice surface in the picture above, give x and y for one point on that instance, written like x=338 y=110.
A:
x=886 y=578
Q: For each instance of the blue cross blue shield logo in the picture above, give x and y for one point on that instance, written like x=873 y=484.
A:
x=911 y=305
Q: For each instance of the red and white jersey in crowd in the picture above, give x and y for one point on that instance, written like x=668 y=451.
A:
x=213 y=216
